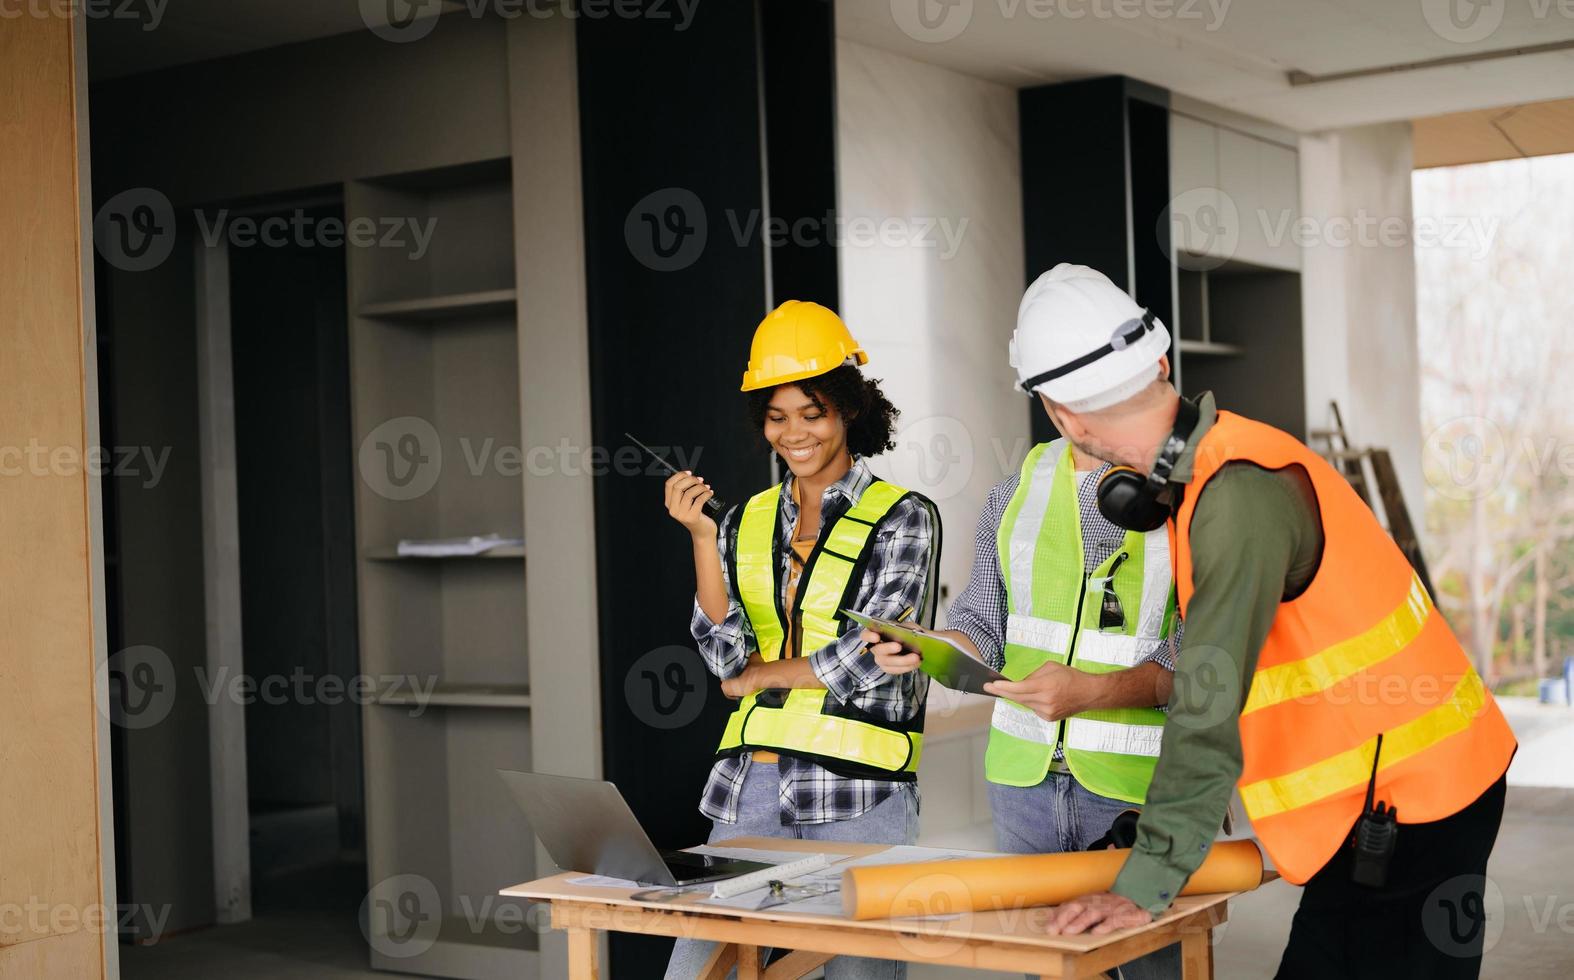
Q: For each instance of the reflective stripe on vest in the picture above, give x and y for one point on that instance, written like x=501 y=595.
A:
x=1360 y=652
x=799 y=723
x=1110 y=752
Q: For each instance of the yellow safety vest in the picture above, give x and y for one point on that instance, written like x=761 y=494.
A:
x=1053 y=615
x=800 y=722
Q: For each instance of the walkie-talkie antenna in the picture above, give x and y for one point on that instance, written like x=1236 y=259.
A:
x=714 y=504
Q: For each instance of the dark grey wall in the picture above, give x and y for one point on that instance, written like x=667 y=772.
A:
x=154 y=568
x=1095 y=199
x=276 y=121
x=297 y=535
x=672 y=310
x=304 y=115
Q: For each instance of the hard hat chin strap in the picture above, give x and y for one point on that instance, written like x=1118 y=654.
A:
x=1126 y=334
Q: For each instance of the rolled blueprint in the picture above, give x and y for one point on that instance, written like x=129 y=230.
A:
x=884 y=891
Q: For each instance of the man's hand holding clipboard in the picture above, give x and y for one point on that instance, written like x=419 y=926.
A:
x=942 y=658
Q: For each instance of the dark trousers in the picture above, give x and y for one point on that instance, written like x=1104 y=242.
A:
x=1429 y=920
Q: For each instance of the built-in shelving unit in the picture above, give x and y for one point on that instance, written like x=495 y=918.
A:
x=1208 y=348
x=1234 y=187
x=1238 y=334
x=435 y=309
x=445 y=695
x=436 y=394
x=509 y=551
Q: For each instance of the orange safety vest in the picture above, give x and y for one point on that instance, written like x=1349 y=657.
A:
x=1360 y=652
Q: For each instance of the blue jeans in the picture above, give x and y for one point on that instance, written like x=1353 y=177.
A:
x=893 y=821
x=1059 y=815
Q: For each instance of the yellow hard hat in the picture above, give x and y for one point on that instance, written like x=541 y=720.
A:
x=799 y=340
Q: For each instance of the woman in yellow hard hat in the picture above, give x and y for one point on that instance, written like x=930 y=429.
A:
x=824 y=745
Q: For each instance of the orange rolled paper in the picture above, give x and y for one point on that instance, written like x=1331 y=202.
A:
x=983 y=884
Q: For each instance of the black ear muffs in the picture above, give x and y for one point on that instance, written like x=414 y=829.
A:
x=1135 y=502
x=1125 y=502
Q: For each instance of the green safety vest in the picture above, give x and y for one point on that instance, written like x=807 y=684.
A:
x=807 y=723
x=1110 y=752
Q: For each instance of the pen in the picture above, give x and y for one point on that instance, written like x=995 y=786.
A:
x=905 y=613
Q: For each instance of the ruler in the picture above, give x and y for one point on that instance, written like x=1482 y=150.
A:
x=763 y=877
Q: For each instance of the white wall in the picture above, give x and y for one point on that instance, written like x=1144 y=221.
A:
x=1359 y=293
x=934 y=297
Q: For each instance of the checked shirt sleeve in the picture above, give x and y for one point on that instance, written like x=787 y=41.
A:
x=980 y=610
x=725 y=645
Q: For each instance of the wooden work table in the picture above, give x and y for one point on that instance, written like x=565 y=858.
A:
x=1012 y=940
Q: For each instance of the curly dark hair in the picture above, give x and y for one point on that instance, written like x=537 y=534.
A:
x=869 y=415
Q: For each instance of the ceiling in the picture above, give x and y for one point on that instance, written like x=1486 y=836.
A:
x=1234 y=53
x=129 y=36
x=1538 y=129
x=1240 y=53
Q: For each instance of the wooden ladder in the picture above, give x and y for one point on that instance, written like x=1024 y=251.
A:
x=1354 y=464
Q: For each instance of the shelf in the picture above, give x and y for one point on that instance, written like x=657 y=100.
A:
x=484 y=302
x=446 y=695
x=1209 y=348
x=514 y=552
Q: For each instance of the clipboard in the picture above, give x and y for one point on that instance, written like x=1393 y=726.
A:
x=940 y=657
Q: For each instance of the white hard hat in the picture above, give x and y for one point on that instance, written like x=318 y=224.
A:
x=1081 y=341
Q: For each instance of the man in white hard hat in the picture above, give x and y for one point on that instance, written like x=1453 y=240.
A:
x=1314 y=675
x=1077 y=612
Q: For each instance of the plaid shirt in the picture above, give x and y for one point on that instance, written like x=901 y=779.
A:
x=898 y=577
x=980 y=610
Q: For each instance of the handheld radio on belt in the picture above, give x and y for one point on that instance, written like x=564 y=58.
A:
x=1376 y=832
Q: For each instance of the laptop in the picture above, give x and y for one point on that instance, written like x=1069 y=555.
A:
x=586 y=825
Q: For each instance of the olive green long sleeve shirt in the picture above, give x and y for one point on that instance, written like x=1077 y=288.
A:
x=1256 y=539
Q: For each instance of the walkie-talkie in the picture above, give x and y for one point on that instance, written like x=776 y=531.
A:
x=714 y=504
x=1376 y=833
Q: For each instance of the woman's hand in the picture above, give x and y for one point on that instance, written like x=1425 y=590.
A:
x=745 y=683
x=686 y=496
x=892 y=657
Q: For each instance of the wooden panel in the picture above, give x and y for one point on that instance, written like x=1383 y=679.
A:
x=49 y=836
x=1503 y=133
x=72 y=954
